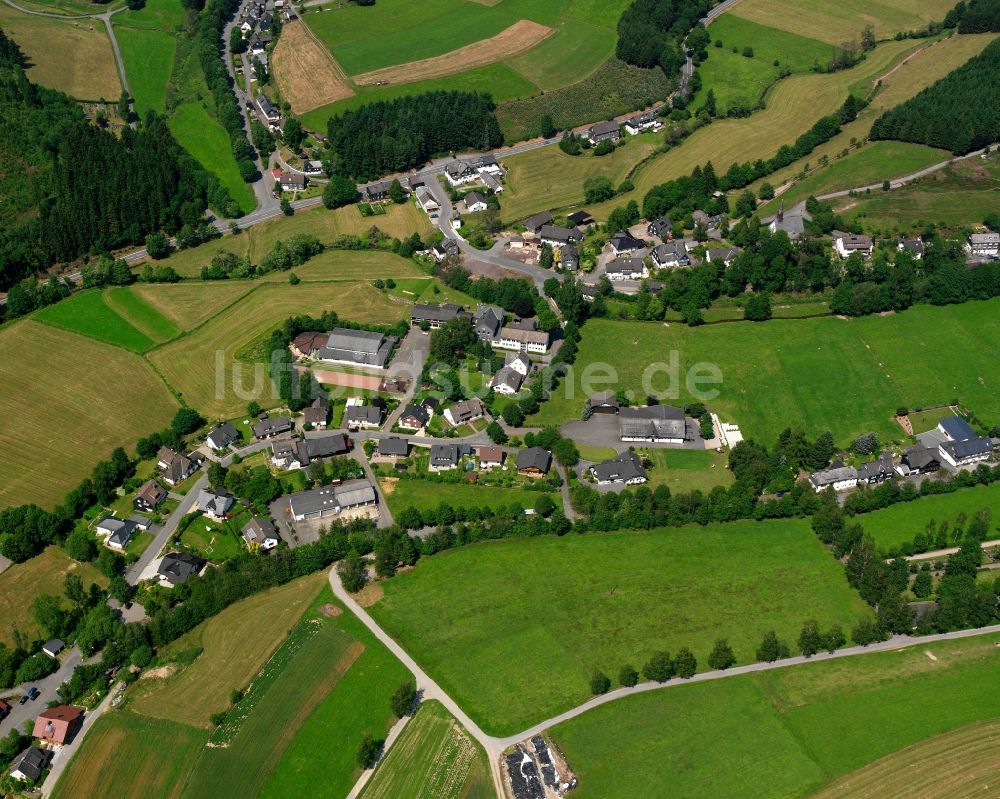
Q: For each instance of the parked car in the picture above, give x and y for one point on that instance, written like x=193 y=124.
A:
x=33 y=693
x=23 y=699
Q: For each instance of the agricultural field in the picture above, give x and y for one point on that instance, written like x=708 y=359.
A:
x=131 y=756
x=898 y=524
x=137 y=312
x=835 y=23
x=514 y=650
x=91 y=420
x=188 y=304
x=202 y=365
x=434 y=757
x=208 y=142
x=350 y=265
x=305 y=72
x=931 y=765
x=69 y=8
x=72 y=56
x=813 y=718
x=425 y=495
x=237 y=643
x=109 y=316
x=21 y=583
x=953 y=197
x=843 y=375
x=149 y=59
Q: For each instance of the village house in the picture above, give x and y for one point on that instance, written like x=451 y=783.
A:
x=177 y=567
x=215 y=503
x=53 y=647
x=149 y=496
x=414 y=417
x=317 y=414
x=222 y=437
x=723 y=255
x=293 y=181
x=318 y=503
x=556 y=236
x=118 y=532
x=294 y=454
x=569 y=258
x=580 y=219
x=435 y=316
x=391 y=449
x=58 y=724
x=603 y=131
x=464 y=411
x=360 y=347
x=507 y=381
x=268 y=111
x=538 y=221
x=363 y=417
x=962 y=446
x=174 y=467
x=641 y=123
x=983 y=244
x=660 y=227
x=876 y=471
x=260 y=534
x=627 y=269
x=919 y=459
x=603 y=402
x=534 y=462
x=625 y=469
x=474 y=202
x=311 y=167
x=846 y=244
x=490 y=457
x=427 y=202
x=305 y=345
x=459 y=172
x=670 y=254
x=492 y=183
x=658 y=424
x=840 y=478
x=444 y=457
x=915 y=247
x=487 y=321
x=625 y=244
x=28 y=767
x=271 y=426
x=512 y=338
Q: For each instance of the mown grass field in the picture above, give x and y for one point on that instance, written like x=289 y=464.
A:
x=137 y=312
x=87 y=313
x=208 y=142
x=22 y=582
x=351 y=265
x=843 y=375
x=425 y=495
x=149 y=58
x=434 y=756
x=684 y=470
x=132 y=756
x=898 y=524
x=836 y=23
x=190 y=304
x=202 y=365
x=320 y=760
x=820 y=721
x=572 y=53
x=237 y=643
x=70 y=412
x=514 y=629
x=72 y=56
x=929 y=764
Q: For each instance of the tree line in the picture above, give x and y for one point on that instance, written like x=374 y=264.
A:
x=395 y=135
x=960 y=112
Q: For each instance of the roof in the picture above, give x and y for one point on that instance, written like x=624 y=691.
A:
x=984 y=238
x=536 y=221
x=418 y=412
x=603 y=399
x=625 y=266
x=178 y=566
x=525 y=336
x=654 y=421
x=661 y=224
x=359 y=346
x=355 y=492
x=363 y=414
x=920 y=456
x=31 y=763
x=627 y=466
x=534 y=458
x=224 y=434
x=473 y=197
x=723 y=253
x=626 y=241
x=957 y=428
x=490 y=454
x=393 y=446
x=466 y=409
x=831 y=476
x=488 y=317
x=309 y=342
x=509 y=377
x=969 y=448
x=670 y=251
x=55 y=645
x=152 y=492
x=435 y=313
x=599 y=128
x=855 y=241
x=269 y=426
x=880 y=466
x=259 y=530
x=218 y=502
x=580 y=218
x=563 y=234
x=445 y=454
x=457 y=168
x=325 y=446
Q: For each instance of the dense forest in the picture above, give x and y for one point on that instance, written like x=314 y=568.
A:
x=69 y=188
x=395 y=135
x=651 y=32
x=961 y=112
x=977 y=16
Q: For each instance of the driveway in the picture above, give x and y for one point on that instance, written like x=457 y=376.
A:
x=47 y=687
x=601 y=430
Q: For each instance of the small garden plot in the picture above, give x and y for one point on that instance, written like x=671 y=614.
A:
x=214 y=541
x=371 y=209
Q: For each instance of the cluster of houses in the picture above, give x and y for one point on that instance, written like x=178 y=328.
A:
x=611 y=130
x=483 y=170
x=957 y=445
x=491 y=325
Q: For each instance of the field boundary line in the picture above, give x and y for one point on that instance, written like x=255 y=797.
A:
x=222 y=310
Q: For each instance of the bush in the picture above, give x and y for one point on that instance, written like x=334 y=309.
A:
x=35 y=667
x=368 y=751
x=722 y=656
x=659 y=667
x=685 y=664
x=599 y=683
x=403 y=699
x=628 y=676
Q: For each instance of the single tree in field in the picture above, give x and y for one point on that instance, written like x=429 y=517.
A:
x=771 y=649
x=628 y=676
x=685 y=663
x=403 y=699
x=865 y=632
x=368 y=751
x=834 y=639
x=599 y=683
x=810 y=640
x=722 y=656
x=659 y=667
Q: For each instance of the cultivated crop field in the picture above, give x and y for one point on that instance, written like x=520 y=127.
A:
x=843 y=375
x=306 y=73
x=425 y=495
x=190 y=304
x=112 y=317
x=72 y=56
x=820 y=721
x=22 y=582
x=237 y=643
x=434 y=757
x=92 y=409
x=514 y=629
x=133 y=757
x=189 y=363
x=898 y=524
x=341 y=265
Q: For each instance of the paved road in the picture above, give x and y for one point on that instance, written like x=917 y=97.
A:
x=943 y=553
x=47 y=687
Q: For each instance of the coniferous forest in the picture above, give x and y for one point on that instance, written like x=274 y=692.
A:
x=69 y=188
x=961 y=112
x=651 y=32
x=395 y=135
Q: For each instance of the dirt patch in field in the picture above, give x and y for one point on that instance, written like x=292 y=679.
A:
x=307 y=74
x=159 y=673
x=518 y=38
x=348 y=380
x=369 y=595
x=330 y=610
x=388 y=484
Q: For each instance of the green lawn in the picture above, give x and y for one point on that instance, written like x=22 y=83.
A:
x=817 y=722
x=140 y=314
x=570 y=55
x=158 y=15
x=434 y=757
x=87 y=313
x=514 y=629
x=685 y=470
x=843 y=375
x=320 y=759
x=149 y=59
x=213 y=541
x=898 y=524
x=425 y=495
x=208 y=142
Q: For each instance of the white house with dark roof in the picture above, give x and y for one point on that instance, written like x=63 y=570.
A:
x=983 y=244
x=223 y=436
x=215 y=503
x=962 y=447
x=641 y=123
x=444 y=457
x=627 y=269
x=475 y=202
x=459 y=172
x=670 y=254
x=839 y=478
x=846 y=244
x=556 y=236
x=177 y=567
x=625 y=243
x=512 y=338
x=319 y=503
x=506 y=381
x=465 y=411
x=260 y=534
x=626 y=469
x=268 y=110
x=657 y=424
